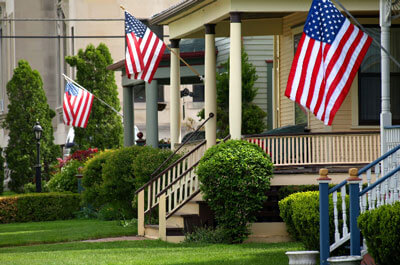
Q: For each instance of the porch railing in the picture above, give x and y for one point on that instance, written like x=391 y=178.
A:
x=381 y=178
x=319 y=148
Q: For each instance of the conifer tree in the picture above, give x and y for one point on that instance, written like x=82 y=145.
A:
x=252 y=115
x=27 y=104
x=104 y=129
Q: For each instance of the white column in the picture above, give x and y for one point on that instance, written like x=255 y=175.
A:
x=210 y=91
x=175 y=115
x=386 y=115
x=235 y=78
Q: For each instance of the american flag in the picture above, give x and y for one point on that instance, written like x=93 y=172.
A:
x=329 y=54
x=77 y=106
x=144 y=49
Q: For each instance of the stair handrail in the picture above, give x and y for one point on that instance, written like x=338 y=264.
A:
x=154 y=177
x=379 y=181
x=186 y=171
x=185 y=142
x=366 y=168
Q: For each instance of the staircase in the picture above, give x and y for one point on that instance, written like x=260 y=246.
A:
x=382 y=187
x=175 y=195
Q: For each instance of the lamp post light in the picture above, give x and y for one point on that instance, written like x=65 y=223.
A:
x=37 y=129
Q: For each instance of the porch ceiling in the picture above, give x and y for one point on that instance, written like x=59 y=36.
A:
x=259 y=17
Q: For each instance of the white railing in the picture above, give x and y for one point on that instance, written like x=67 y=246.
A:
x=381 y=189
x=320 y=148
x=391 y=137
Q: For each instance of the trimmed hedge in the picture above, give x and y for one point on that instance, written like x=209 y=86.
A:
x=380 y=228
x=235 y=177
x=38 y=207
x=300 y=211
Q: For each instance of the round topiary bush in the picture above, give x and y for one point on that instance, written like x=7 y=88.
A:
x=235 y=177
x=300 y=212
x=380 y=228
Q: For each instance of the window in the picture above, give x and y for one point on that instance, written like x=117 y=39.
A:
x=198 y=93
x=139 y=93
x=369 y=81
x=300 y=113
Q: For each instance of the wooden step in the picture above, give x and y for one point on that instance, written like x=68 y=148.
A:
x=189 y=208
x=151 y=231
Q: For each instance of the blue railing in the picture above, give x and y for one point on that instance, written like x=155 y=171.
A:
x=383 y=191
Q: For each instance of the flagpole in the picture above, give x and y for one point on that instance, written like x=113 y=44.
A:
x=102 y=101
x=363 y=29
x=180 y=58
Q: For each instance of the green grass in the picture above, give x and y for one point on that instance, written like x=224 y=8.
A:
x=7 y=193
x=60 y=231
x=147 y=252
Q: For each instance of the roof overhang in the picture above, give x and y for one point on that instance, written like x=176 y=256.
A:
x=187 y=18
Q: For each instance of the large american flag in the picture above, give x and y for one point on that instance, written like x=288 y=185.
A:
x=329 y=54
x=77 y=106
x=144 y=49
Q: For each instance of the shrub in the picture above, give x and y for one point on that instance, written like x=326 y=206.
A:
x=112 y=177
x=1 y=171
x=207 y=235
x=234 y=178
x=380 y=228
x=65 y=179
x=31 y=187
x=92 y=180
x=300 y=212
x=38 y=207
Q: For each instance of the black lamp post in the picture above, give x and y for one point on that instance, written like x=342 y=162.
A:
x=37 y=129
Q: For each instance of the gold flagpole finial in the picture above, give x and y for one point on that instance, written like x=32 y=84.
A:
x=122 y=7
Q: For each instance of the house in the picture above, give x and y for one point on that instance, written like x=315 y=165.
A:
x=43 y=32
x=354 y=139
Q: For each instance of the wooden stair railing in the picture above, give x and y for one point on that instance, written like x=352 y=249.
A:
x=381 y=177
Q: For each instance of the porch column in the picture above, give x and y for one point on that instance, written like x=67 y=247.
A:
x=128 y=119
x=210 y=89
x=152 y=114
x=175 y=115
x=235 y=77
x=386 y=115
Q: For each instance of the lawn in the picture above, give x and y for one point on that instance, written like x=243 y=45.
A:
x=147 y=252
x=60 y=231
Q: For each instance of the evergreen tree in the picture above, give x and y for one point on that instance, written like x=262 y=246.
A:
x=104 y=129
x=28 y=103
x=252 y=115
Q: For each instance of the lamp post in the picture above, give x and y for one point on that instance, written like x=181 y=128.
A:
x=37 y=129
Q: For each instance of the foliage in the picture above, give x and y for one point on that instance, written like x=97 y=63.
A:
x=300 y=212
x=207 y=235
x=31 y=187
x=380 y=227
x=65 y=179
x=1 y=171
x=80 y=155
x=92 y=180
x=104 y=129
x=252 y=115
x=28 y=104
x=234 y=177
x=17 y=234
x=38 y=207
x=111 y=178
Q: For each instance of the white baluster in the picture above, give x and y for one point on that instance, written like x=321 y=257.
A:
x=378 y=188
x=344 y=213
x=369 y=192
x=395 y=187
x=364 y=203
x=335 y=215
x=373 y=199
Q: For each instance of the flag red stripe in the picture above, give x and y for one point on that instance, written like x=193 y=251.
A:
x=132 y=59
x=314 y=77
x=347 y=87
x=90 y=109
x=157 y=62
x=305 y=69
x=152 y=53
x=83 y=108
x=294 y=66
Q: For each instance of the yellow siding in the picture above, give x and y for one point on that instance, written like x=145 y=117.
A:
x=286 y=57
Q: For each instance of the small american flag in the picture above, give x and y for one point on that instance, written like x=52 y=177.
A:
x=144 y=49
x=329 y=54
x=77 y=106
